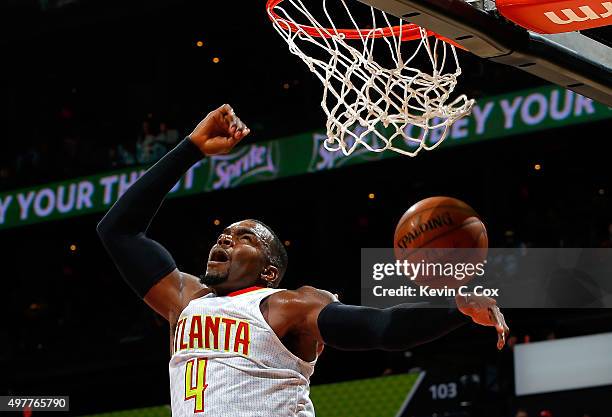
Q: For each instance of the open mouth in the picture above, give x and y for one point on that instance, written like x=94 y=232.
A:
x=218 y=255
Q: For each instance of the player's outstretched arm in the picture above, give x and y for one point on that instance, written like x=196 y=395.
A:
x=145 y=264
x=401 y=327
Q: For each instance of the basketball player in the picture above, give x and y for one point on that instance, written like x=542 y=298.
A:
x=240 y=345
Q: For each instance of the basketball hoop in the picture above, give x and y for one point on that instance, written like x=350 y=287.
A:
x=374 y=102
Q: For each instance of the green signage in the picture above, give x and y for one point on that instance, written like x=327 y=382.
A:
x=159 y=411
x=373 y=397
x=493 y=117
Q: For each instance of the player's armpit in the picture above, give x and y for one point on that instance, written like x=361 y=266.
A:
x=296 y=311
x=170 y=295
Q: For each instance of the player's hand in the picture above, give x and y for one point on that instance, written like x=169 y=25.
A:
x=219 y=132
x=484 y=311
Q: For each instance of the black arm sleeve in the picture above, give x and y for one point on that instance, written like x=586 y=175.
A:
x=401 y=327
x=141 y=260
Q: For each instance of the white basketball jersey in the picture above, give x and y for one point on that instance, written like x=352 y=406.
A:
x=228 y=362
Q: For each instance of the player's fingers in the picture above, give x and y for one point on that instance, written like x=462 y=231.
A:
x=494 y=319
x=241 y=129
x=230 y=122
x=501 y=320
x=504 y=325
x=228 y=118
x=225 y=109
x=501 y=340
x=239 y=123
x=224 y=113
x=500 y=327
x=238 y=136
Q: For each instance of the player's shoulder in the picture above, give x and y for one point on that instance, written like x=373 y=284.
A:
x=303 y=296
x=191 y=287
x=308 y=291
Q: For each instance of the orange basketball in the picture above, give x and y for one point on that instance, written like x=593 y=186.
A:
x=438 y=223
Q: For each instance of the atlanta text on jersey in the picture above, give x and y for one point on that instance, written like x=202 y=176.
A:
x=213 y=333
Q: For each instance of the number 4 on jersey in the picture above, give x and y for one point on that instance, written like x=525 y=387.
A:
x=196 y=390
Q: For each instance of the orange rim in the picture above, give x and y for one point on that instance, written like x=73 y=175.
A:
x=408 y=31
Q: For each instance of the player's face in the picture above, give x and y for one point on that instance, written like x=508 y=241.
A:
x=238 y=258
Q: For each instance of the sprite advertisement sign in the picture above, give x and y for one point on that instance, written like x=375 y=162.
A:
x=493 y=117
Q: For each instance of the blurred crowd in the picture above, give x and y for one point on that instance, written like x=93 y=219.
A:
x=70 y=151
x=153 y=141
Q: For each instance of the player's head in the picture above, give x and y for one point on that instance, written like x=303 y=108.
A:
x=246 y=253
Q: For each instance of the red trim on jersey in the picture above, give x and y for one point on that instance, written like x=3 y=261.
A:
x=244 y=290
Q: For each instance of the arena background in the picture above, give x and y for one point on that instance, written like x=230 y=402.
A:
x=94 y=88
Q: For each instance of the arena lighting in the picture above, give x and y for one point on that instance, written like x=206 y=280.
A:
x=217 y=222
x=216 y=60
x=199 y=44
x=287 y=242
x=73 y=248
x=371 y=196
x=286 y=86
x=537 y=167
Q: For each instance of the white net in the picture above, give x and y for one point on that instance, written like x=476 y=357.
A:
x=372 y=95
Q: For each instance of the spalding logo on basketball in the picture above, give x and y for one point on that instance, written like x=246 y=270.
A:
x=444 y=231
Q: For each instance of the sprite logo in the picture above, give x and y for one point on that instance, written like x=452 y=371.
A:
x=247 y=164
x=322 y=159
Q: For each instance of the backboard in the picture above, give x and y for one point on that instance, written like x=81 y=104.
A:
x=573 y=60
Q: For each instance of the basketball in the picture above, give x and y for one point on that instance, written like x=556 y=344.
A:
x=438 y=223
